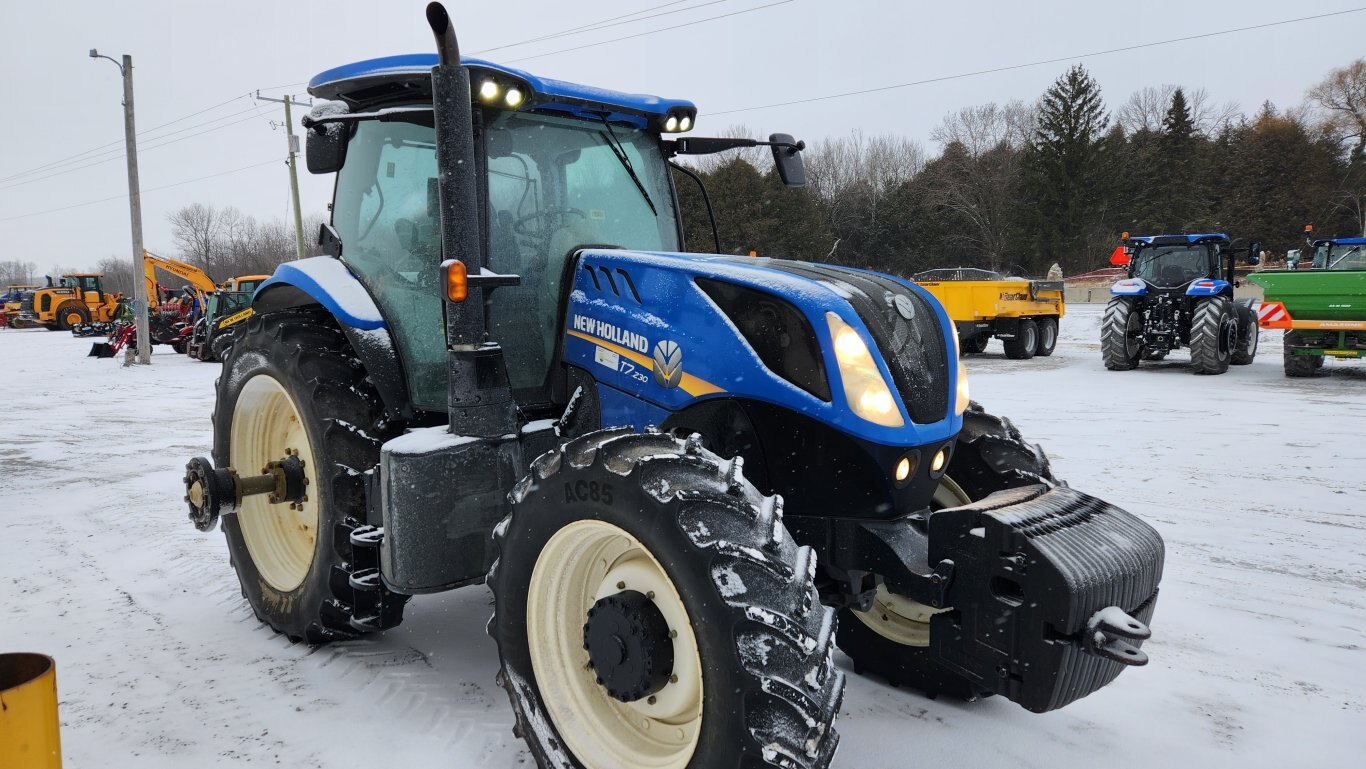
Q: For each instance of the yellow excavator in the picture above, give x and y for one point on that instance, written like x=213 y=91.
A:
x=199 y=280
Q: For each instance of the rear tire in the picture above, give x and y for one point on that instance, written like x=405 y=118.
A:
x=1121 y=334
x=1246 y=349
x=1025 y=342
x=750 y=680
x=1213 y=335
x=1298 y=365
x=892 y=639
x=294 y=383
x=1048 y=337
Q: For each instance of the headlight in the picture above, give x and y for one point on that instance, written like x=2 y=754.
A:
x=865 y=389
x=960 y=403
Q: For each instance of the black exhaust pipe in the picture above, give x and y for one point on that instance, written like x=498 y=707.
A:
x=480 y=398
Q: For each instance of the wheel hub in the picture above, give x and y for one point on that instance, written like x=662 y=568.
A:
x=628 y=644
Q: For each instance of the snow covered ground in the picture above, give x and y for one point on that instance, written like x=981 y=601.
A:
x=1259 y=654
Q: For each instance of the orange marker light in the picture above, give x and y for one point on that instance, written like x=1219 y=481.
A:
x=457 y=285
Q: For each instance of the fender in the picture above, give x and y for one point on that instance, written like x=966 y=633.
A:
x=325 y=281
x=1130 y=287
x=1209 y=287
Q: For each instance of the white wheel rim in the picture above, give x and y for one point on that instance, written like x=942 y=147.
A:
x=896 y=617
x=583 y=562
x=280 y=538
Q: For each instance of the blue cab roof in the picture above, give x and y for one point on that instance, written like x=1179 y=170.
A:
x=356 y=81
x=1341 y=242
x=1147 y=240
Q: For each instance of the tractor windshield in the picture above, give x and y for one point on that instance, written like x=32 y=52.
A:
x=1173 y=266
x=553 y=185
x=1339 y=256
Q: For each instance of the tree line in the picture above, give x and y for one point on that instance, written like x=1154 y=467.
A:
x=1018 y=187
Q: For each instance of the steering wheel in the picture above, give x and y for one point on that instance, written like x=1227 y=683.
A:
x=522 y=226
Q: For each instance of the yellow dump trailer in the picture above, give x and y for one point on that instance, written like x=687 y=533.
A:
x=1022 y=313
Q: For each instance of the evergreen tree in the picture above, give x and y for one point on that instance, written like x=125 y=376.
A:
x=1061 y=183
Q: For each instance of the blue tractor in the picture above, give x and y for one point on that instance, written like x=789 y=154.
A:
x=674 y=471
x=1179 y=293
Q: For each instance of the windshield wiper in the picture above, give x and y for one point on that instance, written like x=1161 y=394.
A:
x=1348 y=253
x=615 y=144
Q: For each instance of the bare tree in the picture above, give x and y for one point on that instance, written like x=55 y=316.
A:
x=16 y=273
x=196 y=230
x=118 y=274
x=985 y=127
x=1342 y=97
x=1147 y=106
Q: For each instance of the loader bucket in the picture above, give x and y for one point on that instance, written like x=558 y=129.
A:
x=29 y=737
x=101 y=350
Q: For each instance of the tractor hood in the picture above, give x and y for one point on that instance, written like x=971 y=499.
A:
x=673 y=329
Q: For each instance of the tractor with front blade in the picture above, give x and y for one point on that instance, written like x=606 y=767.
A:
x=1179 y=293
x=673 y=470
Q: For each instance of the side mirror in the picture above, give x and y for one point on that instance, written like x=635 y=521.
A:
x=1119 y=256
x=325 y=148
x=1254 y=252
x=787 y=156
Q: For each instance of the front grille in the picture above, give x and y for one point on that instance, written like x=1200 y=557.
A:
x=26 y=305
x=914 y=348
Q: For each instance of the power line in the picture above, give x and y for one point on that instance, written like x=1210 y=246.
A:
x=1057 y=60
x=144 y=191
x=118 y=152
x=606 y=23
x=148 y=148
x=650 y=32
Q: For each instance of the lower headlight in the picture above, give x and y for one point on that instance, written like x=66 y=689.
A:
x=865 y=389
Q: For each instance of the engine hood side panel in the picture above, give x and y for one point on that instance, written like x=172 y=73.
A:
x=639 y=322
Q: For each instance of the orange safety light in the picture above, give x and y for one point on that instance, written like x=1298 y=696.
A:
x=1308 y=228
x=457 y=280
x=752 y=252
x=1119 y=256
x=1124 y=235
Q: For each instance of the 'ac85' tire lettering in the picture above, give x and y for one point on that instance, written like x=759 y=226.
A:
x=588 y=491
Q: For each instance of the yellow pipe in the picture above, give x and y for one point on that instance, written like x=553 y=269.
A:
x=29 y=737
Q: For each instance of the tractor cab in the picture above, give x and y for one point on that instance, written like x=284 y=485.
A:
x=1339 y=254
x=560 y=166
x=1174 y=261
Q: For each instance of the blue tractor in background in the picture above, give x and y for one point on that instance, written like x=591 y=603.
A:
x=674 y=471
x=1179 y=293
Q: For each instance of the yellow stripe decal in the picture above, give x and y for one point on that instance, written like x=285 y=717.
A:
x=238 y=318
x=690 y=384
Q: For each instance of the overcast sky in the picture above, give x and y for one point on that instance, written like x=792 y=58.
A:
x=190 y=56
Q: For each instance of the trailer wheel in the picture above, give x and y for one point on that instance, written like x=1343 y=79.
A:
x=1121 y=334
x=1214 y=335
x=1048 y=336
x=1298 y=365
x=1246 y=348
x=977 y=343
x=892 y=638
x=650 y=609
x=1025 y=342
x=292 y=382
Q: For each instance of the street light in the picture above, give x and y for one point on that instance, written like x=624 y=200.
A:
x=134 y=205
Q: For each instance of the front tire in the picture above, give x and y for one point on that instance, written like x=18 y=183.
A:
x=293 y=383
x=1121 y=334
x=1214 y=334
x=749 y=679
x=1025 y=342
x=892 y=639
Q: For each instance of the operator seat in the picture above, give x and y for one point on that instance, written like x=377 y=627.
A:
x=1174 y=275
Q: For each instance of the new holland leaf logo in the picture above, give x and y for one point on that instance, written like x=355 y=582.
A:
x=668 y=364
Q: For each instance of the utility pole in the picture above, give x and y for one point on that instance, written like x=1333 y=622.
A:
x=293 y=171
x=134 y=206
